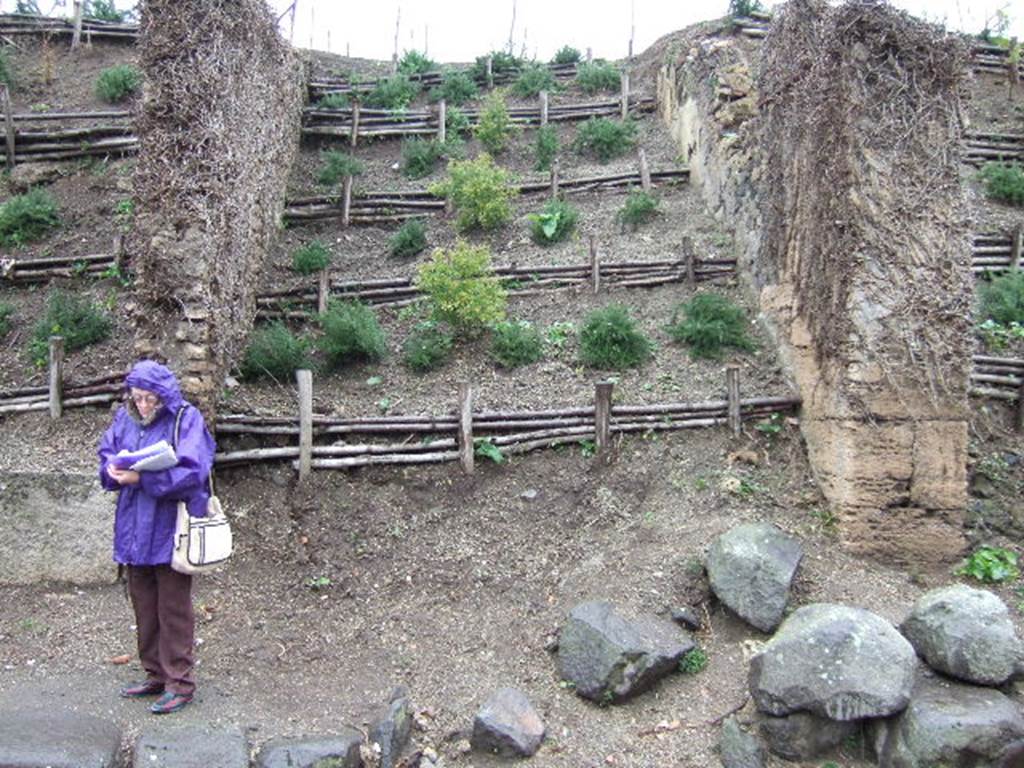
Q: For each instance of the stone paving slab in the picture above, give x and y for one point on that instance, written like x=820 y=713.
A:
x=57 y=738
x=190 y=747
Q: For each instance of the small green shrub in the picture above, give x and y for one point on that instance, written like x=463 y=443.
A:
x=480 y=192
x=605 y=139
x=27 y=217
x=311 y=257
x=274 y=352
x=546 y=147
x=80 y=321
x=415 y=63
x=410 y=240
x=456 y=122
x=1004 y=181
x=427 y=347
x=336 y=166
x=555 y=222
x=501 y=62
x=103 y=10
x=118 y=83
x=991 y=565
x=1002 y=299
x=495 y=128
x=534 y=78
x=334 y=101
x=351 y=332
x=693 y=662
x=456 y=88
x=395 y=93
x=420 y=156
x=640 y=207
x=610 y=339
x=998 y=336
x=708 y=323
x=6 y=312
x=598 y=75
x=566 y=55
x=462 y=289
x=743 y=8
x=516 y=343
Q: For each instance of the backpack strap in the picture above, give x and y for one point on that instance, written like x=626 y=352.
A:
x=174 y=444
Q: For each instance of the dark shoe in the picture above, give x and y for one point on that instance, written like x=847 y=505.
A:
x=170 y=702
x=145 y=688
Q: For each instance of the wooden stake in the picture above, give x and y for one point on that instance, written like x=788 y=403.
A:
x=595 y=265
x=688 y=256
x=442 y=120
x=543 y=108
x=323 y=291
x=490 y=71
x=624 y=80
x=554 y=179
x=645 y=171
x=76 y=36
x=398 y=22
x=602 y=418
x=1015 y=248
x=590 y=55
x=354 y=134
x=466 y=427
x=1018 y=420
x=304 y=379
x=56 y=376
x=346 y=202
x=732 y=382
x=5 y=104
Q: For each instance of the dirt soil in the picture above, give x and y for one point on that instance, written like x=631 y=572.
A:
x=454 y=586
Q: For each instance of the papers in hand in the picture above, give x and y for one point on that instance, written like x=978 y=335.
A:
x=149 y=459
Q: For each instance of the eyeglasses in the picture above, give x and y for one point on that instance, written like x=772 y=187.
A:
x=140 y=399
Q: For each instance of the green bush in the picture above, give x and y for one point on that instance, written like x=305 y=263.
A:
x=103 y=10
x=427 y=347
x=456 y=122
x=1004 y=181
x=76 y=318
x=546 y=148
x=480 y=191
x=336 y=166
x=598 y=75
x=462 y=289
x=533 y=79
x=410 y=240
x=415 y=63
x=640 y=207
x=554 y=223
x=693 y=662
x=708 y=323
x=6 y=312
x=605 y=139
x=334 y=101
x=420 y=156
x=395 y=93
x=743 y=8
x=610 y=339
x=566 y=55
x=501 y=62
x=1002 y=299
x=311 y=257
x=456 y=88
x=274 y=352
x=351 y=332
x=991 y=565
x=516 y=343
x=495 y=129
x=118 y=83
x=27 y=217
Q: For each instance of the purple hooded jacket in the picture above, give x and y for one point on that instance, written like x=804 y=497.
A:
x=146 y=512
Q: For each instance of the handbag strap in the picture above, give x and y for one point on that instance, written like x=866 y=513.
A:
x=174 y=444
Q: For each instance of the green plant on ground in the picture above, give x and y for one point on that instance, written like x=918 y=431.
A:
x=462 y=289
x=317 y=583
x=557 y=335
x=742 y=9
x=825 y=518
x=772 y=426
x=709 y=323
x=6 y=312
x=480 y=192
x=546 y=147
x=516 y=343
x=336 y=166
x=77 y=318
x=534 y=78
x=991 y=565
x=456 y=122
x=311 y=257
x=484 y=448
x=495 y=128
x=116 y=84
x=415 y=63
x=334 y=101
x=588 y=448
x=1003 y=181
x=605 y=139
x=693 y=662
x=124 y=212
x=456 y=88
x=998 y=336
x=994 y=466
x=598 y=75
x=274 y=352
x=420 y=156
x=639 y=208
x=103 y=10
x=394 y=93
x=501 y=62
x=610 y=339
x=555 y=222
x=27 y=217
x=1002 y=299
x=566 y=55
x=351 y=332
x=410 y=240
x=427 y=347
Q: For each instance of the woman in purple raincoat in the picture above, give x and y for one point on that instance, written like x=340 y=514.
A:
x=144 y=526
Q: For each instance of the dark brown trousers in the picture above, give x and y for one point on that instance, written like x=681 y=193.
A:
x=162 y=599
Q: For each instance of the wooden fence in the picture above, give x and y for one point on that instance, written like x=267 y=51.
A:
x=997 y=252
x=981 y=148
x=12 y=24
x=1000 y=378
x=35 y=142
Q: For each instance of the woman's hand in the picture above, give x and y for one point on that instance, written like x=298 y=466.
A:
x=123 y=476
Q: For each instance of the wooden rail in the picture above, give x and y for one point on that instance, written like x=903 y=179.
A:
x=91 y=29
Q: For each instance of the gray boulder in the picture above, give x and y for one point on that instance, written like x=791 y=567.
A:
x=750 y=569
x=948 y=723
x=832 y=660
x=310 y=752
x=508 y=725
x=56 y=738
x=739 y=749
x=390 y=731
x=609 y=658
x=803 y=736
x=190 y=747
x=965 y=633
